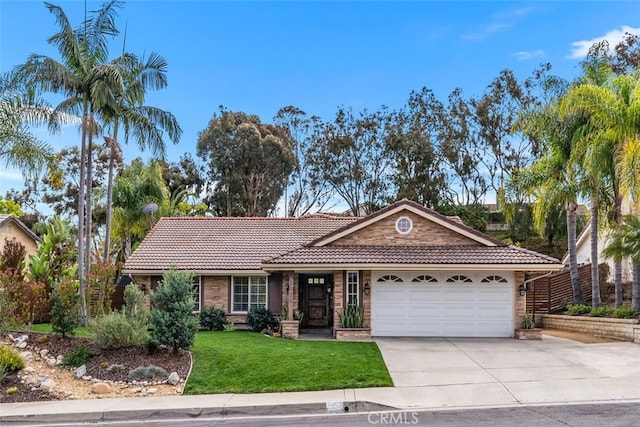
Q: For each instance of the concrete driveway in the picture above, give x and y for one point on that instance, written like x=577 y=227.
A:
x=441 y=372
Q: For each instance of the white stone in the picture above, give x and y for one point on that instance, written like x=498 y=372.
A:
x=29 y=370
x=174 y=378
x=152 y=390
x=80 y=372
x=43 y=353
x=22 y=345
x=26 y=355
x=87 y=377
x=47 y=385
x=51 y=361
x=21 y=339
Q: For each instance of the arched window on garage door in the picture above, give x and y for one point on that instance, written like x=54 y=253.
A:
x=390 y=278
x=424 y=279
x=459 y=279
x=494 y=279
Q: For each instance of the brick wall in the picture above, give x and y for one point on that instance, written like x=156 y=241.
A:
x=424 y=232
x=603 y=327
x=216 y=292
x=520 y=302
x=338 y=297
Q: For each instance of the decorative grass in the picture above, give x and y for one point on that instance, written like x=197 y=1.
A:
x=248 y=362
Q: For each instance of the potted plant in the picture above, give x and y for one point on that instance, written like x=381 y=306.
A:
x=528 y=330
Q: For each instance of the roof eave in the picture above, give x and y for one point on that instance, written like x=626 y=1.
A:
x=432 y=267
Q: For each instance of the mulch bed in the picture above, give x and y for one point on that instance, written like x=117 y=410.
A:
x=129 y=358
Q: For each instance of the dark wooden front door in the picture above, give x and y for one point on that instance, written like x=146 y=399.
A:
x=316 y=300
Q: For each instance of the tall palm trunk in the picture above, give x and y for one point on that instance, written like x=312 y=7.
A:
x=571 y=208
x=89 y=192
x=113 y=143
x=81 y=216
x=595 y=253
x=618 y=265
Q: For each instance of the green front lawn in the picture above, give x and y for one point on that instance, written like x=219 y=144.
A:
x=45 y=328
x=248 y=362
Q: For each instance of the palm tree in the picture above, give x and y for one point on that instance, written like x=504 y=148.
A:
x=136 y=186
x=613 y=110
x=625 y=242
x=88 y=82
x=19 y=148
x=145 y=123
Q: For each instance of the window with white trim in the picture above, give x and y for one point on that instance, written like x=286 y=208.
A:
x=197 y=291
x=248 y=292
x=353 y=287
x=404 y=225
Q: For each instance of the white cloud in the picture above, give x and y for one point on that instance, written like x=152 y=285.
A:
x=501 y=22
x=580 y=48
x=525 y=55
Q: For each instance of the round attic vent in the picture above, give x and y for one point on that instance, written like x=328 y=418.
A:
x=404 y=225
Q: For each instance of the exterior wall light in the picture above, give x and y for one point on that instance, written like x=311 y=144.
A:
x=522 y=289
x=367 y=289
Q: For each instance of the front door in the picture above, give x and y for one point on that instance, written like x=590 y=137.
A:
x=316 y=299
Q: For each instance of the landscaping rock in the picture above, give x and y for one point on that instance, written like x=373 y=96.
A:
x=152 y=390
x=26 y=356
x=174 y=378
x=20 y=340
x=43 y=353
x=22 y=345
x=51 y=362
x=101 y=388
x=47 y=385
x=87 y=377
x=80 y=372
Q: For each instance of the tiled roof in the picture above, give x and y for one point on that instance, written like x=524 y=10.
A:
x=371 y=255
x=226 y=243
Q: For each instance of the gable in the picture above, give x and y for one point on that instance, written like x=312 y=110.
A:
x=424 y=231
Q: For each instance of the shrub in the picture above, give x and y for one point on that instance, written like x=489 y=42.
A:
x=527 y=322
x=23 y=301
x=115 y=330
x=135 y=305
x=260 y=319
x=10 y=361
x=352 y=317
x=230 y=327
x=578 y=309
x=625 y=312
x=147 y=373
x=78 y=357
x=100 y=287
x=65 y=313
x=212 y=319
x=12 y=256
x=602 y=311
x=173 y=304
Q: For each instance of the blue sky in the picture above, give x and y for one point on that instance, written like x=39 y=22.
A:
x=257 y=57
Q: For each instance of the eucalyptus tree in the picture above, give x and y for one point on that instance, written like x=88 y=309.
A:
x=249 y=162
x=414 y=148
x=306 y=193
x=146 y=124
x=87 y=81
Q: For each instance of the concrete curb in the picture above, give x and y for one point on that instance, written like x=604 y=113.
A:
x=195 y=412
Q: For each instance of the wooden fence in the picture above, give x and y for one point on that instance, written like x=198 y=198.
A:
x=549 y=294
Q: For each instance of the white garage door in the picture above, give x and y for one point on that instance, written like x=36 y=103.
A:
x=418 y=304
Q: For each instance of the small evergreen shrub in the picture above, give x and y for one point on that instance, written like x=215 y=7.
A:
x=602 y=311
x=147 y=373
x=260 y=319
x=65 y=313
x=625 y=312
x=351 y=317
x=153 y=345
x=212 y=319
x=171 y=317
x=10 y=361
x=578 y=309
x=78 y=357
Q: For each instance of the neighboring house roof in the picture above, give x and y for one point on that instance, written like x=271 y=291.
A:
x=390 y=257
x=5 y=219
x=451 y=223
x=226 y=244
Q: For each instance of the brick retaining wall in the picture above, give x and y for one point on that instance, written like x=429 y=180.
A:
x=603 y=327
